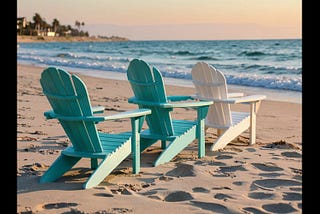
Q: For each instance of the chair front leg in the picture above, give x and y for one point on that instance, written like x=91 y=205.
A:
x=163 y=144
x=94 y=163
x=253 y=115
x=201 y=115
x=136 y=125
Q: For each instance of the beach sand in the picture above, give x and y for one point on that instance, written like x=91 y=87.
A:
x=262 y=178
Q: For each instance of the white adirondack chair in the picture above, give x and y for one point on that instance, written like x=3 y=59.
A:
x=211 y=85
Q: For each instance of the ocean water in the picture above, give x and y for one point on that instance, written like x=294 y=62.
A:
x=272 y=67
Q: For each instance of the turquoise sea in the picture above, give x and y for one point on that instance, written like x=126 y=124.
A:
x=271 y=67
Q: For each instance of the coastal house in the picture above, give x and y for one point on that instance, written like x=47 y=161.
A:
x=49 y=32
x=21 y=23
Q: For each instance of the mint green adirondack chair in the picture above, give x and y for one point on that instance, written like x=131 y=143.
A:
x=70 y=104
x=149 y=90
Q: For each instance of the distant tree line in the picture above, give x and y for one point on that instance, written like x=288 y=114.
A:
x=39 y=27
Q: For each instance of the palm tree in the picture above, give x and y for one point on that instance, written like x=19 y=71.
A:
x=38 y=21
x=77 y=24
x=56 y=25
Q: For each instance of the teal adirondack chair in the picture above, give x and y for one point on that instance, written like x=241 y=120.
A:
x=149 y=90
x=70 y=103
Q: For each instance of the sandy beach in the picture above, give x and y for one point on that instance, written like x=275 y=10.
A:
x=262 y=178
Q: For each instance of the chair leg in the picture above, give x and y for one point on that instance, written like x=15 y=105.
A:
x=253 y=116
x=223 y=140
x=176 y=146
x=201 y=132
x=107 y=165
x=60 y=166
x=163 y=144
x=227 y=136
x=94 y=163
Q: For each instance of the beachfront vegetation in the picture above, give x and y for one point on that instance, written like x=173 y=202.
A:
x=39 y=27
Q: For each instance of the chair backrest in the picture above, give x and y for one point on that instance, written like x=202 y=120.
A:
x=68 y=96
x=147 y=85
x=211 y=83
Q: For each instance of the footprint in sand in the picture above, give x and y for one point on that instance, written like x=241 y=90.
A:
x=220 y=188
x=210 y=163
x=213 y=207
x=224 y=157
x=33 y=169
x=200 y=189
x=291 y=154
x=182 y=170
x=222 y=196
x=224 y=175
x=164 y=178
x=300 y=205
x=269 y=184
x=296 y=171
x=267 y=167
x=164 y=195
x=261 y=195
x=281 y=145
x=251 y=150
x=123 y=191
x=200 y=162
x=216 y=163
x=154 y=191
x=297 y=177
x=292 y=196
x=279 y=208
x=299 y=189
x=58 y=205
x=253 y=210
x=110 y=210
x=103 y=195
x=274 y=174
x=178 y=196
x=239 y=183
x=225 y=169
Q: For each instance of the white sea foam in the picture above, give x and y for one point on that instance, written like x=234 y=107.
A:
x=265 y=64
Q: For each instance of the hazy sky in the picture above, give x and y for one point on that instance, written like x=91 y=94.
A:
x=174 y=19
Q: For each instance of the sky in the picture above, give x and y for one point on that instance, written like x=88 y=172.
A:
x=174 y=19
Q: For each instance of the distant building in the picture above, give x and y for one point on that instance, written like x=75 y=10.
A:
x=21 y=23
x=68 y=32
x=51 y=33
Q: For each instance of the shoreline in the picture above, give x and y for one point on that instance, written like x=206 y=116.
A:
x=32 y=39
x=262 y=178
x=272 y=94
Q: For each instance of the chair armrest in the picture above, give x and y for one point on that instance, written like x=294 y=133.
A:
x=246 y=99
x=176 y=98
x=126 y=114
x=147 y=103
x=200 y=103
x=172 y=105
x=180 y=104
x=129 y=114
x=97 y=109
